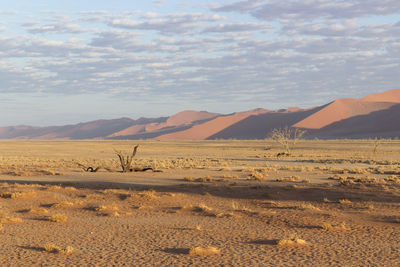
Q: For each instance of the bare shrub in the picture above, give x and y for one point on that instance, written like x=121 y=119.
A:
x=287 y=137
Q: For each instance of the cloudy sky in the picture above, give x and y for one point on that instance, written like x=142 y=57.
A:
x=71 y=61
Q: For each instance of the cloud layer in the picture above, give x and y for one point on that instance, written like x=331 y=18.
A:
x=251 y=53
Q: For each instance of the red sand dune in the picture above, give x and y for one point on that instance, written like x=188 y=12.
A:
x=388 y=96
x=194 y=125
x=181 y=118
x=129 y=131
x=381 y=123
x=339 y=110
x=189 y=116
x=207 y=129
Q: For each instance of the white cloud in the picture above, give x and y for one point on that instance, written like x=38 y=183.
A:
x=237 y=27
x=311 y=51
x=173 y=24
x=312 y=9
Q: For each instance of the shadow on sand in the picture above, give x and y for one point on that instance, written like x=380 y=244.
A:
x=251 y=190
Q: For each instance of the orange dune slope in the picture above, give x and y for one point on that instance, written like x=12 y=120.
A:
x=388 y=96
x=345 y=108
x=209 y=128
x=180 y=119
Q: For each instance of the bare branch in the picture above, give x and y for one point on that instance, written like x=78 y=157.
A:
x=287 y=137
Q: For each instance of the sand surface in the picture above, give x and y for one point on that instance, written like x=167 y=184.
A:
x=340 y=197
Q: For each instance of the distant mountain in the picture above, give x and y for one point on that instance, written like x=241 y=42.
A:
x=376 y=115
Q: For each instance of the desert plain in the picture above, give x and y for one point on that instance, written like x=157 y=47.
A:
x=203 y=203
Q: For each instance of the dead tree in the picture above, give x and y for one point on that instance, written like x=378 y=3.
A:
x=126 y=161
x=89 y=168
x=287 y=138
x=377 y=143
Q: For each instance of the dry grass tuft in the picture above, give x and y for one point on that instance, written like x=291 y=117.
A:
x=226 y=215
x=330 y=227
x=38 y=210
x=70 y=188
x=188 y=179
x=55 y=249
x=292 y=242
x=308 y=206
x=257 y=176
x=345 y=202
x=118 y=214
x=207 y=251
x=207 y=179
x=58 y=218
x=248 y=169
x=10 y=220
x=15 y=195
x=111 y=207
x=94 y=196
x=202 y=208
x=54 y=188
x=150 y=194
x=64 y=204
x=291 y=179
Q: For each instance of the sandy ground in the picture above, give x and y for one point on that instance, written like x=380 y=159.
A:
x=340 y=197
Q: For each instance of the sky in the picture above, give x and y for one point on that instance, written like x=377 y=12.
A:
x=64 y=62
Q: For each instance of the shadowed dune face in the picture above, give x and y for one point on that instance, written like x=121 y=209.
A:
x=189 y=116
x=339 y=110
x=383 y=123
x=207 y=129
x=182 y=118
x=129 y=131
x=176 y=121
x=260 y=125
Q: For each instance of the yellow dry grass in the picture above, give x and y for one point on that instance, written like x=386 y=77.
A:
x=329 y=227
x=63 y=204
x=112 y=207
x=20 y=194
x=38 y=210
x=56 y=249
x=10 y=220
x=204 y=251
x=58 y=218
x=292 y=242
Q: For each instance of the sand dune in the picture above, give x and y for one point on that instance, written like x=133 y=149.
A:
x=388 y=96
x=207 y=129
x=381 y=123
x=260 y=125
x=181 y=118
x=339 y=110
x=200 y=125
x=130 y=130
x=178 y=120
